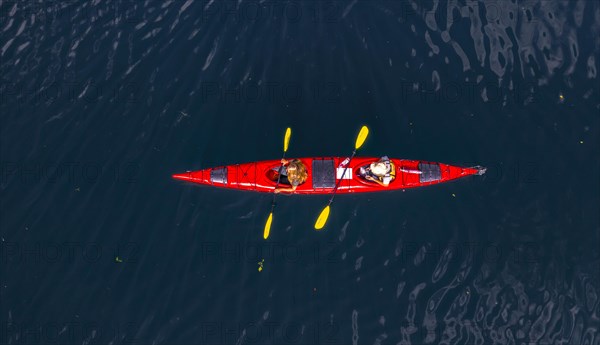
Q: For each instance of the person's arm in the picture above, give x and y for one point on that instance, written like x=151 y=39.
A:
x=287 y=190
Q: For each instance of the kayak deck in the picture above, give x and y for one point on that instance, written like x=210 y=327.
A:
x=325 y=172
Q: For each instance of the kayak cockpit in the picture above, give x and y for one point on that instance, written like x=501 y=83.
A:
x=273 y=175
x=367 y=177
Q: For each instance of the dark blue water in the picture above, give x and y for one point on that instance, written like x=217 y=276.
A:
x=103 y=100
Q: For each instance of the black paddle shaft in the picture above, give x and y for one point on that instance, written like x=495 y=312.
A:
x=278 y=180
x=340 y=181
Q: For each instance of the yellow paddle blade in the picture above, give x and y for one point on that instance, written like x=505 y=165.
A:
x=286 y=140
x=322 y=218
x=362 y=136
x=268 y=226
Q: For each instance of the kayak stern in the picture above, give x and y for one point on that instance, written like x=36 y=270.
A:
x=200 y=176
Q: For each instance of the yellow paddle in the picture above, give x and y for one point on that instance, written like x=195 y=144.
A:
x=286 y=142
x=360 y=139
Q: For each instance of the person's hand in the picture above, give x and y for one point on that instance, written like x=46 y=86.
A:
x=369 y=177
x=284 y=161
x=276 y=191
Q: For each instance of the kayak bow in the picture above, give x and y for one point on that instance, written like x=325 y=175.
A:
x=325 y=172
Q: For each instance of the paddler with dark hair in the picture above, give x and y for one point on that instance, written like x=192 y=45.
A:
x=296 y=174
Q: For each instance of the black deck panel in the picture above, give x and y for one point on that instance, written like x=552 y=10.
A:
x=323 y=173
x=218 y=175
x=430 y=172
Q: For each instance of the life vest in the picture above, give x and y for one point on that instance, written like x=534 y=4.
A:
x=391 y=172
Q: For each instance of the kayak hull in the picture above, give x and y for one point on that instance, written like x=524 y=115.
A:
x=325 y=172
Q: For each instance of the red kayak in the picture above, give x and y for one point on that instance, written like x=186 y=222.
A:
x=325 y=172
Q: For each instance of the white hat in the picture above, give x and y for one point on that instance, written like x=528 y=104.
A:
x=379 y=168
